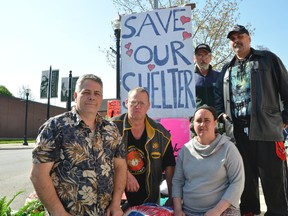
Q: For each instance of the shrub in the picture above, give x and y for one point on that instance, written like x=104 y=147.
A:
x=32 y=206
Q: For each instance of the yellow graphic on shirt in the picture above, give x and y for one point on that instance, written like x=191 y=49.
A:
x=155 y=145
x=155 y=155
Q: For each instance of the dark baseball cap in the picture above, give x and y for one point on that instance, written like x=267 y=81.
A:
x=239 y=29
x=203 y=46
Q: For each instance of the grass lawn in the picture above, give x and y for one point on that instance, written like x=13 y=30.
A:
x=15 y=141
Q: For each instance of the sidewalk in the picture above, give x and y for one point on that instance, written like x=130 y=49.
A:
x=16 y=146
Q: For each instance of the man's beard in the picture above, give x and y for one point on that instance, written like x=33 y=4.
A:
x=204 y=66
x=237 y=47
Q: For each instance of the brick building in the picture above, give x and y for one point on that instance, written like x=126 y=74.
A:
x=12 y=116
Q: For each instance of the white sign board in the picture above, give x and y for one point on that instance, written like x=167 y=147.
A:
x=157 y=54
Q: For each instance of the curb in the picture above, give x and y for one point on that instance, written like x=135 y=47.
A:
x=17 y=146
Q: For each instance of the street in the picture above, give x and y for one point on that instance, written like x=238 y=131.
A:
x=15 y=166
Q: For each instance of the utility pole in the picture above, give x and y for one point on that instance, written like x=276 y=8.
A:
x=69 y=99
x=155 y=4
x=49 y=93
x=116 y=24
x=26 y=114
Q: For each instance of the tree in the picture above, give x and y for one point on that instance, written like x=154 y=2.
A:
x=210 y=23
x=22 y=92
x=261 y=47
x=5 y=91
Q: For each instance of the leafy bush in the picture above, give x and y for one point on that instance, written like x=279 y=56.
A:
x=5 y=209
x=32 y=207
x=5 y=91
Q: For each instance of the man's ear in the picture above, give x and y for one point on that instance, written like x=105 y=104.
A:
x=75 y=95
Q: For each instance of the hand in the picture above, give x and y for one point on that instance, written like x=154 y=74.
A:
x=114 y=210
x=223 y=116
x=132 y=183
x=179 y=213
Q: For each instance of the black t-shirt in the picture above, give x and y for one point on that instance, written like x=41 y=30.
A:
x=240 y=87
x=137 y=162
x=137 y=165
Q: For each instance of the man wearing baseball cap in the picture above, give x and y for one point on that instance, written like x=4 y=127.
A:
x=250 y=90
x=205 y=76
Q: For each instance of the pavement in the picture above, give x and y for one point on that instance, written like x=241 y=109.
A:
x=18 y=146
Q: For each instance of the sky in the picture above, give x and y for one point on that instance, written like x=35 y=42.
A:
x=69 y=35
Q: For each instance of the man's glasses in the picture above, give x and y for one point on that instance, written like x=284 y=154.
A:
x=137 y=103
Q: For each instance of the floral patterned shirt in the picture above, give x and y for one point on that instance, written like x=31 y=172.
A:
x=83 y=161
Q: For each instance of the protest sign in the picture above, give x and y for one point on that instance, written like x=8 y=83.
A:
x=157 y=54
x=180 y=131
x=113 y=108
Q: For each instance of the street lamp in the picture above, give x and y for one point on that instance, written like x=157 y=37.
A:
x=116 y=24
x=27 y=91
x=156 y=4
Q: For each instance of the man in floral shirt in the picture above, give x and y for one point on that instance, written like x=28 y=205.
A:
x=79 y=165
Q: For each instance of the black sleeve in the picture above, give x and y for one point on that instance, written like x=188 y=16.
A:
x=168 y=158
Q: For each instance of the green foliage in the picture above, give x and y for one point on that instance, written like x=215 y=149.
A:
x=32 y=208
x=5 y=91
x=13 y=141
x=5 y=209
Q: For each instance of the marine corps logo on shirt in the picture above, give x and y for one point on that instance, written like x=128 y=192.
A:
x=135 y=160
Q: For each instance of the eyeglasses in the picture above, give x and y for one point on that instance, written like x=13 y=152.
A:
x=137 y=103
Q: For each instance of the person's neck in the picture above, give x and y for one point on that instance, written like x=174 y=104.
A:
x=206 y=140
x=89 y=119
x=244 y=55
x=203 y=72
x=138 y=126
